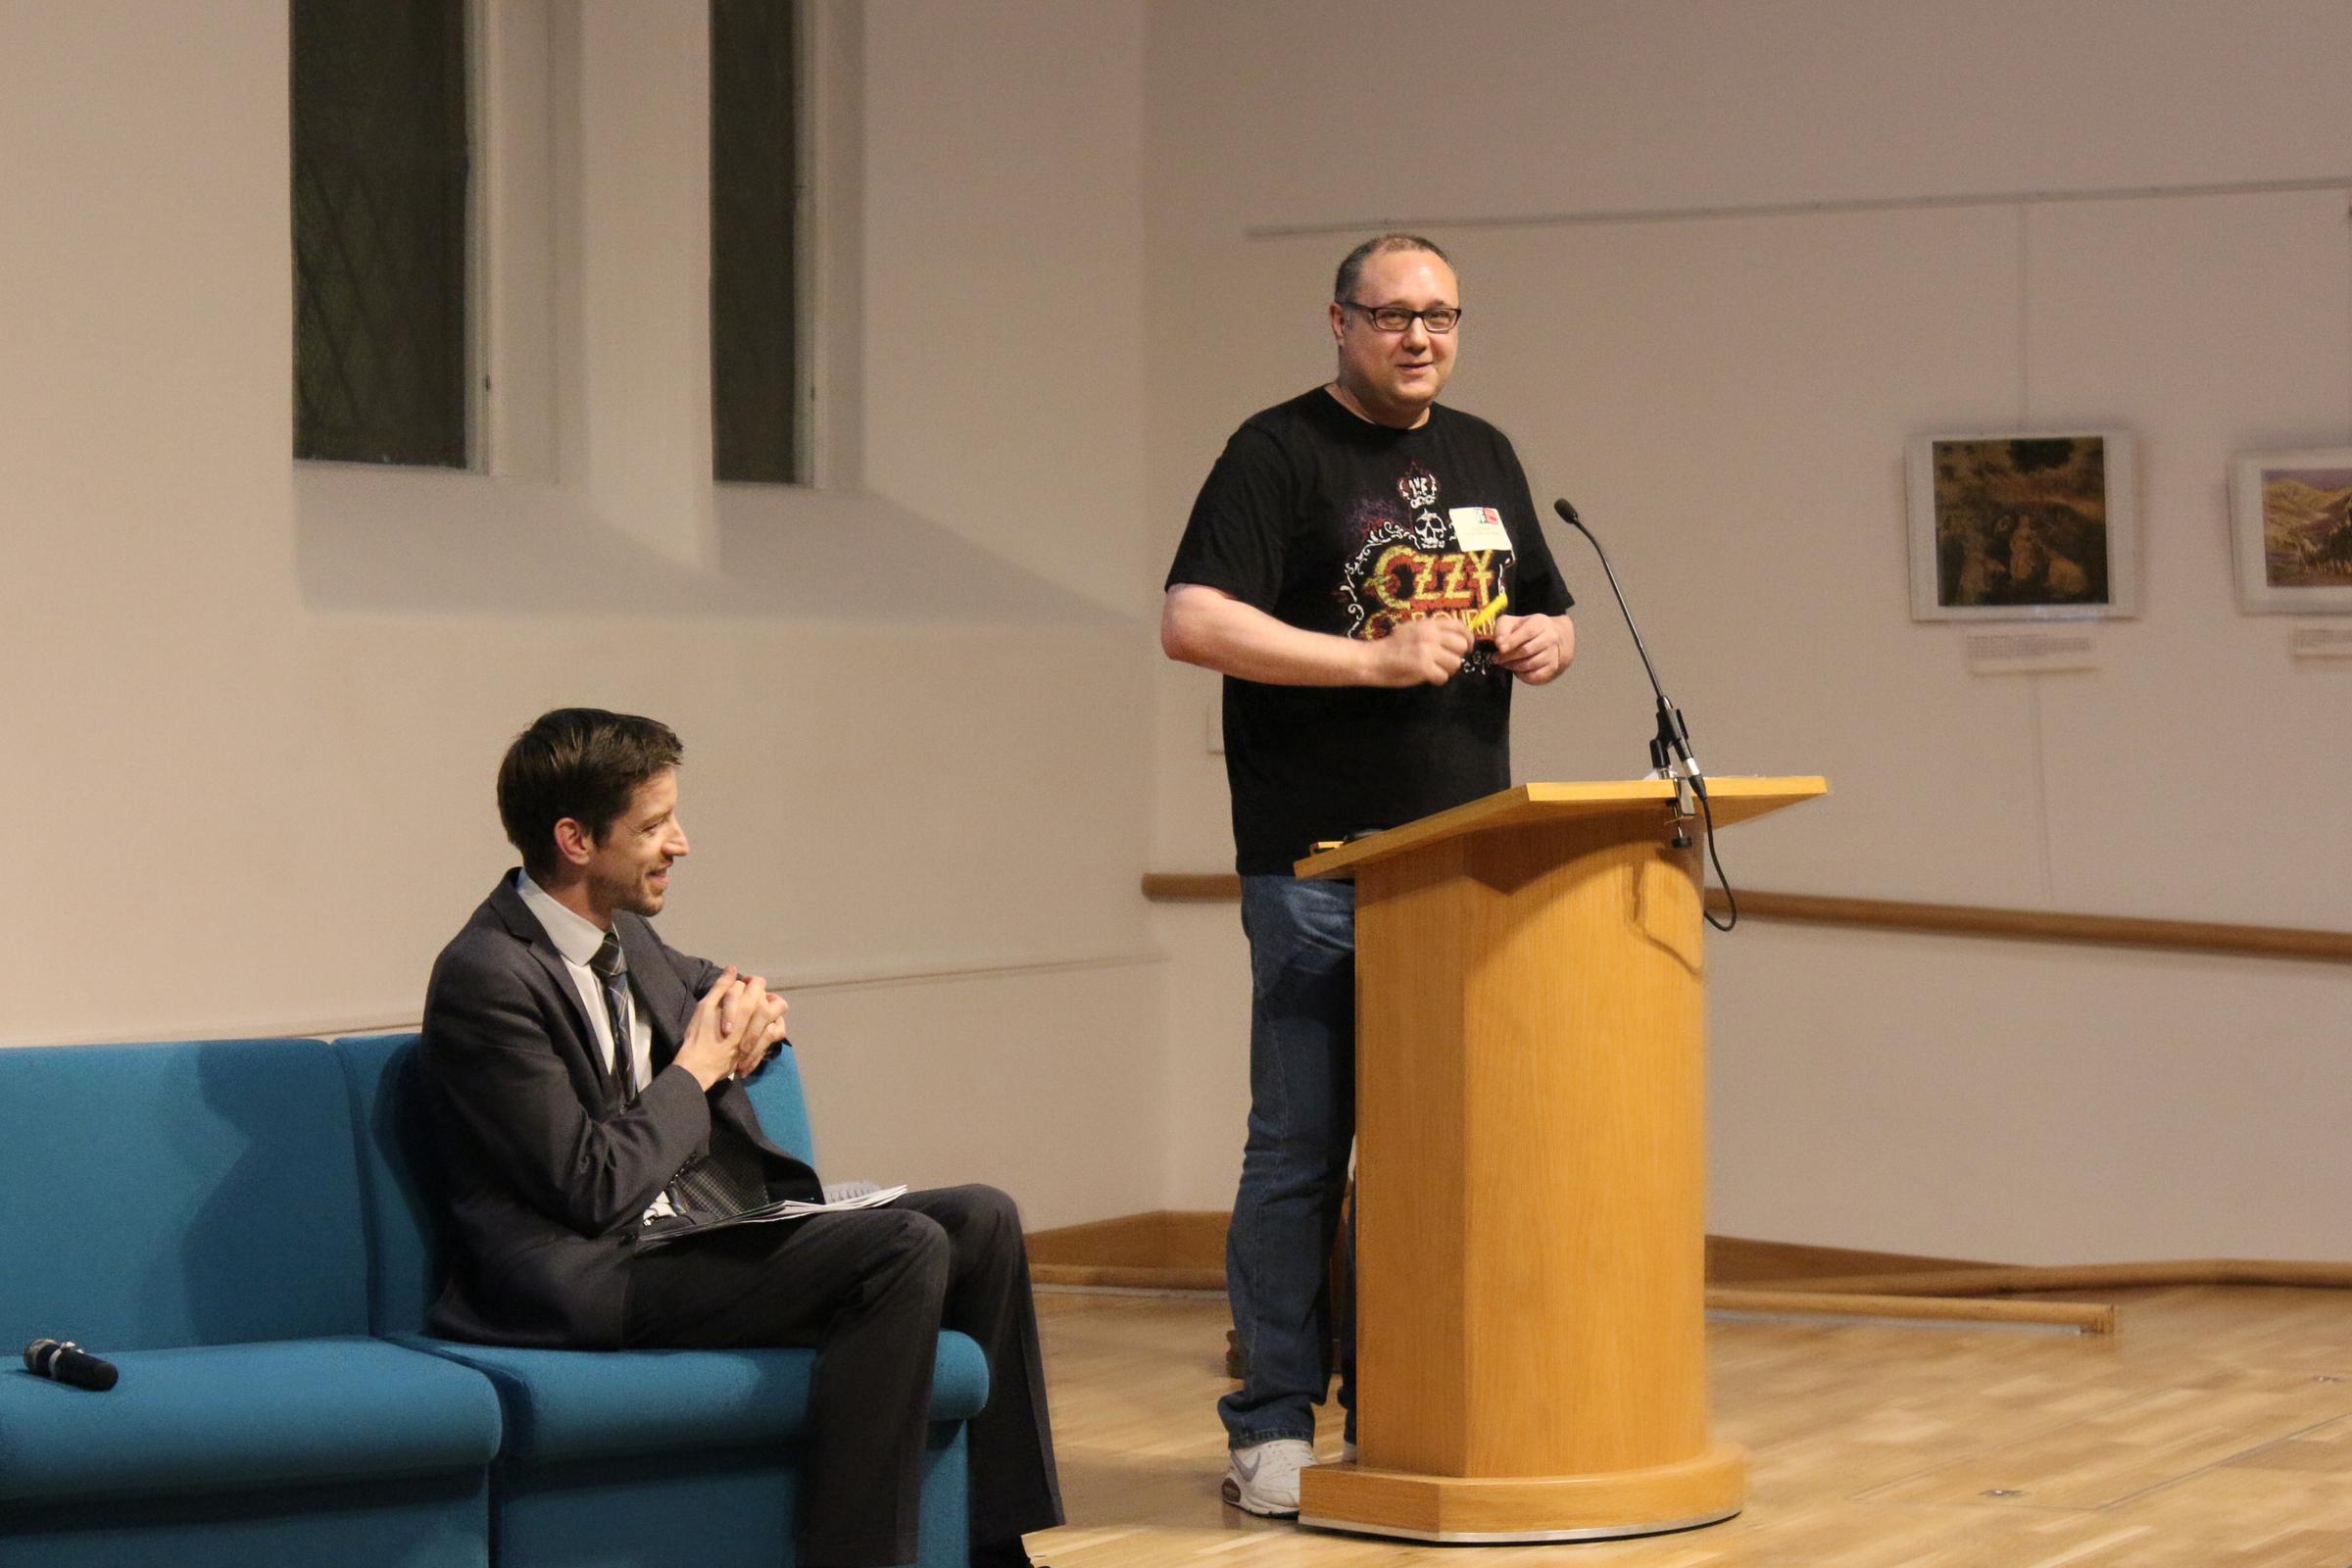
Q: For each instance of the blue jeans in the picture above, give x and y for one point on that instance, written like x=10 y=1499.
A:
x=1295 y=1166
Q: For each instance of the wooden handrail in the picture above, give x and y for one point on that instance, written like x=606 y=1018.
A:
x=2083 y=1317
x=1942 y=919
x=1192 y=887
x=2006 y=1279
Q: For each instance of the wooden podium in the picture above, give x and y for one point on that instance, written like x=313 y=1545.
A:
x=1530 y=1226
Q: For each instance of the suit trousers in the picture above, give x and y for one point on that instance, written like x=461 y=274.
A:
x=870 y=1290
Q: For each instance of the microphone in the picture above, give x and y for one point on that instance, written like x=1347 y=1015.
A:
x=1670 y=749
x=64 y=1361
x=1670 y=752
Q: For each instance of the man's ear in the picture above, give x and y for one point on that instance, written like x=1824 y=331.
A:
x=1338 y=321
x=574 y=843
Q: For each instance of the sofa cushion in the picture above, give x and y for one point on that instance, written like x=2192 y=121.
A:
x=243 y=1417
x=574 y=1405
x=169 y=1195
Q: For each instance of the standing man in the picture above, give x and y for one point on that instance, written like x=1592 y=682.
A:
x=583 y=1077
x=1365 y=569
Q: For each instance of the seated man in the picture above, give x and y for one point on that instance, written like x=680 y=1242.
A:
x=557 y=1149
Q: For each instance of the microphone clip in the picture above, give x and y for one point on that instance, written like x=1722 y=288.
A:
x=1665 y=766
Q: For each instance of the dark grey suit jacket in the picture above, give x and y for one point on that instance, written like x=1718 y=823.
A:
x=544 y=1186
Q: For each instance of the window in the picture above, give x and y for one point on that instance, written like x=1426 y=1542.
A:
x=380 y=172
x=757 y=408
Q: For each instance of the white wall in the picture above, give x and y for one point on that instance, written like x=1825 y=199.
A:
x=253 y=713
x=1725 y=390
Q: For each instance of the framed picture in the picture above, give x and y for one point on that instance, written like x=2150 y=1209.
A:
x=2290 y=526
x=2021 y=527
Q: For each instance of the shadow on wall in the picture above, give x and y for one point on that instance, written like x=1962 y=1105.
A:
x=406 y=542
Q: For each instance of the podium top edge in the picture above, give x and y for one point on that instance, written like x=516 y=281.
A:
x=1735 y=800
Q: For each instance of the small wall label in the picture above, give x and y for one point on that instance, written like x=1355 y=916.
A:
x=2030 y=653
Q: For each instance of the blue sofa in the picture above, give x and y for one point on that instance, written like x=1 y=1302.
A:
x=642 y=1456
x=239 y=1226
x=192 y=1214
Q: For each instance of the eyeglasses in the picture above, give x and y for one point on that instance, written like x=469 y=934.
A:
x=1395 y=318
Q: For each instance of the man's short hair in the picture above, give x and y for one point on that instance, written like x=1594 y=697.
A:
x=580 y=762
x=1351 y=270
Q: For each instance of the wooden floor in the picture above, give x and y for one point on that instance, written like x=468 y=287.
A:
x=2215 y=1431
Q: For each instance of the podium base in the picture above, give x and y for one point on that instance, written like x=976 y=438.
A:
x=1471 y=1510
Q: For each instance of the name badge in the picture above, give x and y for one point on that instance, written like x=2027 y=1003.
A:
x=1479 y=528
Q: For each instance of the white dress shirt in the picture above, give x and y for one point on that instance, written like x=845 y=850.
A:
x=576 y=937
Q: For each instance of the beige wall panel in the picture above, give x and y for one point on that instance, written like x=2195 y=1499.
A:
x=253 y=721
x=2210 y=326
x=1206 y=975
x=2029 y=1104
x=1301 y=114
x=1006 y=312
x=1726 y=400
x=1032 y=1083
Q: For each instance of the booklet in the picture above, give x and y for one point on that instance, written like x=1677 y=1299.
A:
x=840 y=1198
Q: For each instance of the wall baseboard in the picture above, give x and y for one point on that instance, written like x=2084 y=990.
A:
x=1743 y=1261
x=1166 y=1249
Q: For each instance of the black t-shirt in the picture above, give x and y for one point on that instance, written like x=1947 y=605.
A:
x=1336 y=524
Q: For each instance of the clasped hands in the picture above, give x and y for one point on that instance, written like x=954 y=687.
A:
x=1428 y=652
x=735 y=1026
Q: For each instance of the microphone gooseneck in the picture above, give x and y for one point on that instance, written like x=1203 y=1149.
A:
x=1670 y=752
x=1670 y=749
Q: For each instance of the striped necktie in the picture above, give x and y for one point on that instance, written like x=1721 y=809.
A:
x=612 y=973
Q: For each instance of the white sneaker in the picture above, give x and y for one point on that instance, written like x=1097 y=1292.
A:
x=1263 y=1478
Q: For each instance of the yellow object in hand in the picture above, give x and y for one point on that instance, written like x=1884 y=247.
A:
x=1484 y=621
